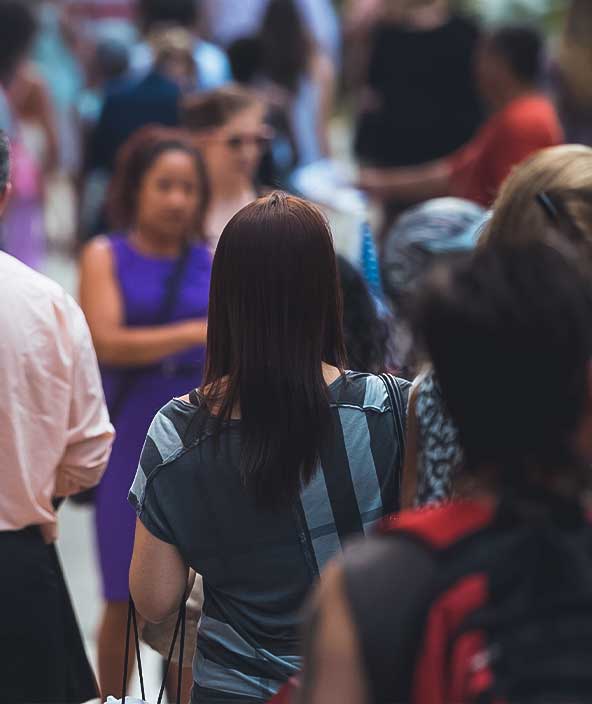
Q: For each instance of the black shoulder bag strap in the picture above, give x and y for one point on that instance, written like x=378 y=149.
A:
x=399 y=411
x=180 y=625
x=171 y=296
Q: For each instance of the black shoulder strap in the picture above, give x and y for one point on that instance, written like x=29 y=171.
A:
x=173 y=286
x=398 y=405
x=399 y=410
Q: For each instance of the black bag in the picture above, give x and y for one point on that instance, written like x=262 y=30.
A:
x=129 y=381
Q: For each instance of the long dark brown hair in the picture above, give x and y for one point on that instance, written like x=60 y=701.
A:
x=274 y=318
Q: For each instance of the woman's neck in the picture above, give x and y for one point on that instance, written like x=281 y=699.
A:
x=229 y=188
x=154 y=245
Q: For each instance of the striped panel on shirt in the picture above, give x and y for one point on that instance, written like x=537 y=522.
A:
x=347 y=495
x=163 y=443
x=226 y=662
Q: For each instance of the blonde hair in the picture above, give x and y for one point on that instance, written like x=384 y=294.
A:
x=564 y=173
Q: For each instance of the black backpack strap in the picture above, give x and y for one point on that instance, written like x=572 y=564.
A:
x=389 y=607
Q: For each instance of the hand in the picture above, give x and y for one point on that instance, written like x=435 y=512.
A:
x=49 y=533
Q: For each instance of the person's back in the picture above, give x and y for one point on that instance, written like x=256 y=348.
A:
x=258 y=566
x=256 y=479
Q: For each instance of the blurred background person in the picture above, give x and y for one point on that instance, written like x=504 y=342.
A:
x=227 y=126
x=507 y=566
x=227 y=21
x=366 y=332
x=523 y=121
x=434 y=459
x=146 y=99
x=296 y=76
x=23 y=232
x=211 y=62
x=571 y=71
x=419 y=98
x=144 y=290
x=55 y=439
x=297 y=80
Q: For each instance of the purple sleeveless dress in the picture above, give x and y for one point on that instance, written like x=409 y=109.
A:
x=143 y=283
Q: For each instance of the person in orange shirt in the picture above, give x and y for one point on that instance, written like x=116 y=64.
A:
x=523 y=120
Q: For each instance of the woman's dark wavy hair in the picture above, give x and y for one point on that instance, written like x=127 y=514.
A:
x=509 y=333
x=366 y=334
x=135 y=158
x=274 y=318
x=286 y=47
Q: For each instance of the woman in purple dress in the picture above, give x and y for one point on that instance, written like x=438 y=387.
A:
x=145 y=294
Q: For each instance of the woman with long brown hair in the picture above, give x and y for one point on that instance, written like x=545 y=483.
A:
x=256 y=479
x=144 y=290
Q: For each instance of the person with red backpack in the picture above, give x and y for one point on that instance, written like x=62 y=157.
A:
x=487 y=598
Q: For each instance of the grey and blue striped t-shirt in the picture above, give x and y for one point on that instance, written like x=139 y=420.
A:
x=259 y=565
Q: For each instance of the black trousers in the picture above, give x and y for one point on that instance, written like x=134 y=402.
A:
x=32 y=630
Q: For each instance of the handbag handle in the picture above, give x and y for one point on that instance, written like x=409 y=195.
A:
x=132 y=620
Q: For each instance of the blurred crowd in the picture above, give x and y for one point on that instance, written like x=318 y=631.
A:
x=256 y=194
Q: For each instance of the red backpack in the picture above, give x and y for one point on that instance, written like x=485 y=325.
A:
x=492 y=606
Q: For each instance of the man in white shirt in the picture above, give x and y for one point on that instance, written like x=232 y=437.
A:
x=55 y=439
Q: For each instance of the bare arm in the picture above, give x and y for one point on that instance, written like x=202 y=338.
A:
x=409 y=184
x=324 y=77
x=115 y=343
x=332 y=660
x=158 y=576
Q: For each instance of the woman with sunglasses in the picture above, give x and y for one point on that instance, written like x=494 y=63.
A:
x=228 y=126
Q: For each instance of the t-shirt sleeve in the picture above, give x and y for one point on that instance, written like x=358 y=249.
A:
x=160 y=447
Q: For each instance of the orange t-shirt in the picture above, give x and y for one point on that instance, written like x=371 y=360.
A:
x=524 y=126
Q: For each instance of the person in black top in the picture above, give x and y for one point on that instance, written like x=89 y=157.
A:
x=421 y=101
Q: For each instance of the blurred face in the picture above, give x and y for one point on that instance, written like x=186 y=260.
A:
x=237 y=147
x=490 y=72
x=169 y=197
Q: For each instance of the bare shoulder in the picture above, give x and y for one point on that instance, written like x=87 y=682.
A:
x=97 y=254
